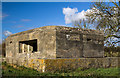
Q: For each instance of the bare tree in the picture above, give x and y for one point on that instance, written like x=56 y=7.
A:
x=105 y=17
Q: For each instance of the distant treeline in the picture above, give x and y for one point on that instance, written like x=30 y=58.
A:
x=112 y=49
x=2 y=49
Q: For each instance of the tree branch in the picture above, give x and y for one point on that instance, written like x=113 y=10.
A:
x=115 y=42
x=112 y=36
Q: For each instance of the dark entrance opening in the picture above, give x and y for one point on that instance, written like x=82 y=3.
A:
x=28 y=46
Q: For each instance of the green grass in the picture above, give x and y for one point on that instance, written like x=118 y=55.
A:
x=23 y=71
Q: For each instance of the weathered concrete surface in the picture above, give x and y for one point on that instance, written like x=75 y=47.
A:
x=54 y=42
x=75 y=43
x=46 y=44
x=63 y=64
x=71 y=64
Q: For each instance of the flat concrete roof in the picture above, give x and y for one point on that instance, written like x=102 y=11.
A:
x=59 y=28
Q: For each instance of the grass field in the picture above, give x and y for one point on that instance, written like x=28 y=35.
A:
x=23 y=71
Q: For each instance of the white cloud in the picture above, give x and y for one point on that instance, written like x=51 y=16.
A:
x=68 y=11
x=19 y=26
x=72 y=15
x=25 y=20
x=4 y=15
x=7 y=33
